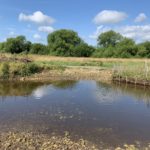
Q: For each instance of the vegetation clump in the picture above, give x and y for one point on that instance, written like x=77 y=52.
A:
x=28 y=69
x=13 y=70
x=5 y=70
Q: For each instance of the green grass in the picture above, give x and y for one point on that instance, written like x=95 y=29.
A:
x=137 y=71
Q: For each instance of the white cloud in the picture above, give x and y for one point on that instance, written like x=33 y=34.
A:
x=46 y=29
x=140 y=18
x=99 y=30
x=37 y=17
x=37 y=36
x=109 y=17
x=11 y=33
x=138 y=33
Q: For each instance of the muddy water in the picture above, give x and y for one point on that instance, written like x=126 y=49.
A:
x=112 y=114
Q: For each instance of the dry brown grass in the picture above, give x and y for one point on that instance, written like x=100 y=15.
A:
x=138 y=69
x=81 y=59
x=75 y=59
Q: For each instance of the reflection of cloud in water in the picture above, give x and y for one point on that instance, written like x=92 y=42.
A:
x=106 y=95
x=42 y=91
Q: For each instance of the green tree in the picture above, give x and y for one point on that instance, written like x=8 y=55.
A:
x=63 y=42
x=2 y=46
x=38 y=48
x=83 y=50
x=142 y=52
x=109 y=38
x=146 y=45
x=17 y=45
x=126 y=48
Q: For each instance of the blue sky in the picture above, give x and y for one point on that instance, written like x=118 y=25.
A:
x=36 y=18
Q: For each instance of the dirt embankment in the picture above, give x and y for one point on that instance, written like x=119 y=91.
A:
x=71 y=73
x=133 y=81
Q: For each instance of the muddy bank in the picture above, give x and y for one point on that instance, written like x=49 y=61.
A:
x=30 y=141
x=131 y=81
x=69 y=74
x=34 y=141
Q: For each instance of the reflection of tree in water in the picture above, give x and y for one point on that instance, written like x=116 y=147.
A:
x=140 y=93
x=27 y=88
x=64 y=84
x=18 y=88
x=105 y=94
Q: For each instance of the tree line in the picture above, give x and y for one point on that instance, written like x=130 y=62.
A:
x=68 y=43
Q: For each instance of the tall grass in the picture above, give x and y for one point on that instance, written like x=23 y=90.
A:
x=136 y=71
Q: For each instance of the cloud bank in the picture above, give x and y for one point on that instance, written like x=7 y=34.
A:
x=37 y=17
x=109 y=17
x=136 y=32
x=140 y=18
x=47 y=29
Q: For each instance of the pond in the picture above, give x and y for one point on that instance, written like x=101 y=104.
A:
x=110 y=113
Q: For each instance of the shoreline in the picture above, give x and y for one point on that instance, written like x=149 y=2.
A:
x=32 y=141
x=131 y=81
x=46 y=68
x=68 y=74
x=79 y=73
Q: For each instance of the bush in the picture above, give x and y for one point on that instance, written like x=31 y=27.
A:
x=104 y=52
x=83 y=50
x=38 y=48
x=28 y=69
x=5 y=71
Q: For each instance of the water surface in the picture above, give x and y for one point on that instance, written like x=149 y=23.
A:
x=112 y=114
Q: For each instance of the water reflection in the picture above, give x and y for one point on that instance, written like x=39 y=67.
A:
x=69 y=84
x=37 y=89
x=18 y=88
x=139 y=93
x=112 y=92
x=105 y=94
x=95 y=111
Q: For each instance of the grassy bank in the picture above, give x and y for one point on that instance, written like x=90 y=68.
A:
x=40 y=67
x=135 y=73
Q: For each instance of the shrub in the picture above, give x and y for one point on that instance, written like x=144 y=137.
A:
x=38 y=48
x=5 y=70
x=28 y=69
x=83 y=50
